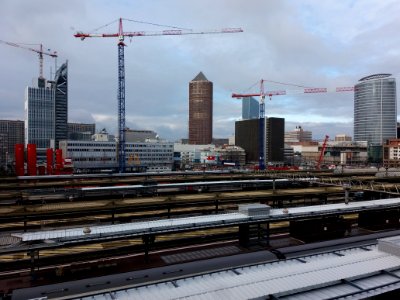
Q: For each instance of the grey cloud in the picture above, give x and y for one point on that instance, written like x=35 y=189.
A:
x=313 y=43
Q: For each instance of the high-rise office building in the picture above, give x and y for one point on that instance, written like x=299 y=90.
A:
x=375 y=113
x=200 y=110
x=250 y=108
x=274 y=140
x=247 y=137
x=61 y=104
x=46 y=111
x=39 y=117
x=11 y=133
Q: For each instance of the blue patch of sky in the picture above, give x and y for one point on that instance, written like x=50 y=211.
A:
x=317 y=24
x=329 y=71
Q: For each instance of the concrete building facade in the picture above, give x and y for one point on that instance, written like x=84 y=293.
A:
x=391 y=153
x=134 y=135
x=89 y=156
x=342 y=138
x=200 y=110
x=298 y=135
x=188 y=156
x=11 y=133
x=247 y=137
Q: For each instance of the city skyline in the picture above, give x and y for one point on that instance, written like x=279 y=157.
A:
x=308 y=43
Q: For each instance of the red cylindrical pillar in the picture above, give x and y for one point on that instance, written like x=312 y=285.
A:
x=59 y=161
x=31 y=152
x=41 y=170
x=50 y=160
x=19 y=159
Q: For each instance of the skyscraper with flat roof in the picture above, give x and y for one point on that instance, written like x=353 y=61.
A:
x=247 y=137
x=274 y=140
x=39 y=117
x=200 y=110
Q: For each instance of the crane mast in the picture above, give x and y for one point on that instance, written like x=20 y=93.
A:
x=121 y=154
x=121 y=100
x=261 y=123
x=261 y=129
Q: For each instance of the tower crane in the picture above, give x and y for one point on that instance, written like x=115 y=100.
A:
x=121 y=34
x=261 y=123
x=39 y=51
x=270 y=94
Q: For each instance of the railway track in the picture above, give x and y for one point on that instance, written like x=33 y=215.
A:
x=25 y=217
x=47 y=212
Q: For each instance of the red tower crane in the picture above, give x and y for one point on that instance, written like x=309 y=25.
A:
x=262 y=94
x=39 y=51
x=121 y=34
x=321 y=155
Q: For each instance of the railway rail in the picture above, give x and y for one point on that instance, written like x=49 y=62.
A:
x=47 y=215
x=107 y=200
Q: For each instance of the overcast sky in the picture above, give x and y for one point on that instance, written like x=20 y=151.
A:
x=311 y=43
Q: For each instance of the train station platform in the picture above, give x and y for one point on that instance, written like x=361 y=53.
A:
x=206 y=221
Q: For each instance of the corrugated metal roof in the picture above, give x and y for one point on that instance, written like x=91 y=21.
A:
x=322 y=276
x=170 y=185
x=336 y=207
x=131 y=227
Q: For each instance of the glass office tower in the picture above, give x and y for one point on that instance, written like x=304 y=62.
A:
x=39 y=117
x=61 y=104
x=46 y=111
x=250 y=108
x=375 y=111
